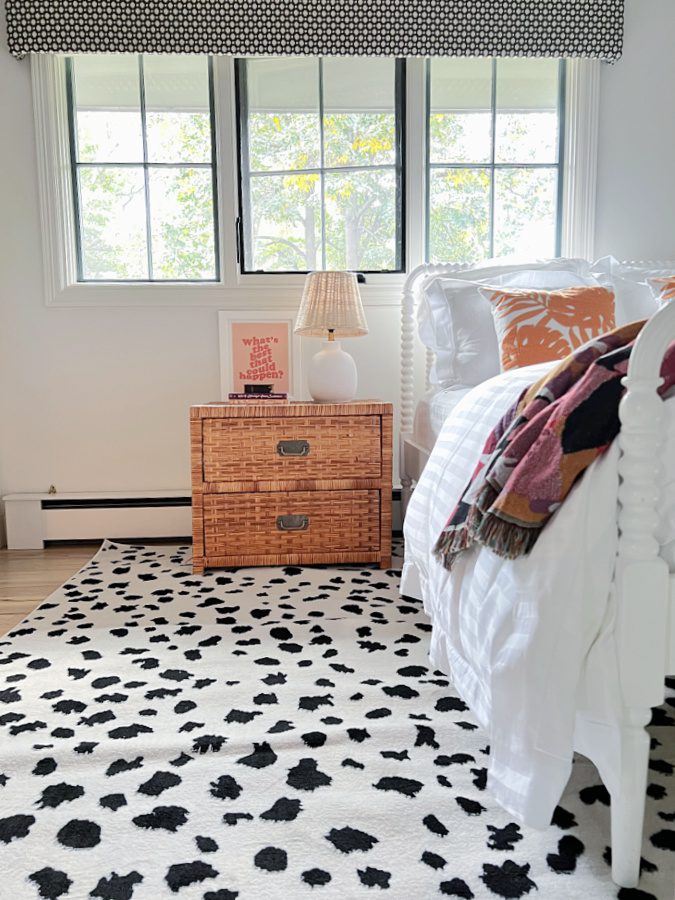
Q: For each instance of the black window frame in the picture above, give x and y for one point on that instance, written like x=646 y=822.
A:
x=146 y=165
x=491 y=165
x=244 y=174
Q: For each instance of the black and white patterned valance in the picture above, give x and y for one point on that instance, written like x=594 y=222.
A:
x=558 y=28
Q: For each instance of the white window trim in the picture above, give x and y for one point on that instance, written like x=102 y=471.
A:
x=236 y=290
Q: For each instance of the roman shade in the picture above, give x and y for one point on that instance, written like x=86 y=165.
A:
x=557 y=28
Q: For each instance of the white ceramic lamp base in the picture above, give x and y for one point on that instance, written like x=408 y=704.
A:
x=331 y=375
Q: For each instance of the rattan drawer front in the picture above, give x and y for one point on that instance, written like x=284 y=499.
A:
x=316 y=447
x=278 y=523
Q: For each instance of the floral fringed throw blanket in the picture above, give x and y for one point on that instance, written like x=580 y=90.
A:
x=543 y=444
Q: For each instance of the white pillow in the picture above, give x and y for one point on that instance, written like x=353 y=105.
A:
x=456 y=323
x=634 y=298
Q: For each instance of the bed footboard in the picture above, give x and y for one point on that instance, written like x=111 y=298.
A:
x=644 y=626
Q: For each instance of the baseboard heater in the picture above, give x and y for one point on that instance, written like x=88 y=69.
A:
x=118 y=503
x=35 y=519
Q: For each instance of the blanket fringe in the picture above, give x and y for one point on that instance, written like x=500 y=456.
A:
x=485 y=527
x=505 y=538
x=450 y=544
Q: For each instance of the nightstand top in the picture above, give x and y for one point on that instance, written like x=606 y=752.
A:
x=243 y=409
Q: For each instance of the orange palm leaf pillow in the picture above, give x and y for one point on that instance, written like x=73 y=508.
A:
x=538 y=326
x=663 y=288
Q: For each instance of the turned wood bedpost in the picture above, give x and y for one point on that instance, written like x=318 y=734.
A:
x=408 y=329
x=642 y=587
x=407 y=379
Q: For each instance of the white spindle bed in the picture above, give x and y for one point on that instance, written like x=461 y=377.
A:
x=644 y=587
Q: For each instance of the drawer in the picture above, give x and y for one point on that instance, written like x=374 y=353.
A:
x=277 y=449
x=291 y=522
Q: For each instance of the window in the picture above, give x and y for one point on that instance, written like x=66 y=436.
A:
x=181 y=179
x=321 y=164
x=143 y=167
x=494 y=158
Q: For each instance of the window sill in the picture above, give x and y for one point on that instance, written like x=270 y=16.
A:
x=263 y=292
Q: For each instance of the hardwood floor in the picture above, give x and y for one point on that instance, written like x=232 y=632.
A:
x=27 y=577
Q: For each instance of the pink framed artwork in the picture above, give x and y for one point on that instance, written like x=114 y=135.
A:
x=258 y=352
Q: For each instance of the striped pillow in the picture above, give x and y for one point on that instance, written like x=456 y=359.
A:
x=538 y=326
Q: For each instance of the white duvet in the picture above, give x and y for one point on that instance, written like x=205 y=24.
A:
x=528 y=643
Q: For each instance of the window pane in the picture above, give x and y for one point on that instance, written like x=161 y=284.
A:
x=177 y=109
x=460 y=121
x=283 y=114
x=361 y=220
x=124 y=198
x=333 y=195
x=359 y=118
x=522 y=95
x=527 y=110
x=181 y=207
x=459 y=214
x=107 y=108
x=285 y=221
x=112 y=214
x=525 y=212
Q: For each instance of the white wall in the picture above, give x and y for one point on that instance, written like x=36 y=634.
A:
x=636 y=174
x=97 y=399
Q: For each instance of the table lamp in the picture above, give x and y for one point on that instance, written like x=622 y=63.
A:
x=331 y=307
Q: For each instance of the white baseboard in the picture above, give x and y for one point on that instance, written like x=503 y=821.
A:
x=33 y=519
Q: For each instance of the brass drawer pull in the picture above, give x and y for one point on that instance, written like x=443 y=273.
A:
x=292 y=523
x=293 y=448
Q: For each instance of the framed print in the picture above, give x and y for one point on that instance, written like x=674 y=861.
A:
x=258 y=352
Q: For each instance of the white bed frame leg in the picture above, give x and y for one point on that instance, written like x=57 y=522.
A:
x=406 y=494
x=628 y=802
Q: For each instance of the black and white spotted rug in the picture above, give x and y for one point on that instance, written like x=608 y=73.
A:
x=269 y=733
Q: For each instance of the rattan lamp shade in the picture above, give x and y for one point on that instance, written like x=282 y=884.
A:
x=331 y=302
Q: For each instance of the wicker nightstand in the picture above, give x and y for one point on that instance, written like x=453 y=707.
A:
x=279 y=483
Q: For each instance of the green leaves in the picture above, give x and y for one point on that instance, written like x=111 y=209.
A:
x=358 y=226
